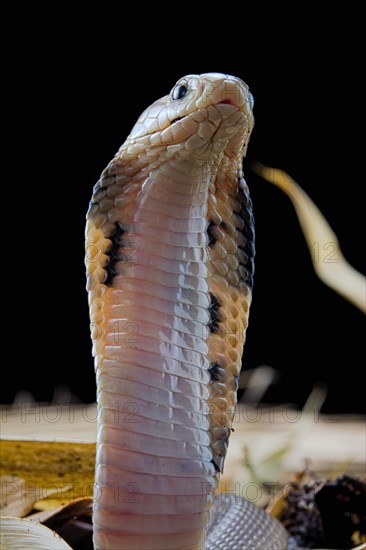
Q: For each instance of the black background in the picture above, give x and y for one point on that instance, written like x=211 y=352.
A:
x=82 y=88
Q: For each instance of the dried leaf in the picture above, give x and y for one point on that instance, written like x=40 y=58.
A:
x=276 y=507
x=74 y=508
x=329 y=263
x=15 y=497
x=18 y=497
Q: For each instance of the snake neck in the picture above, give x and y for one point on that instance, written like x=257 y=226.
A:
x=170 y=296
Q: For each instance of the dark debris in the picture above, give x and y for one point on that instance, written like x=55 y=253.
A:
x=326 y=514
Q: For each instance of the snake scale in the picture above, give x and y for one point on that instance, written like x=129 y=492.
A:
x=170 y=264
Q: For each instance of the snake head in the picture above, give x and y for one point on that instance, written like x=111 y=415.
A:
x=201 y=112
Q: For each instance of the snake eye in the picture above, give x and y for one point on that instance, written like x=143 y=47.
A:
x=179 y=91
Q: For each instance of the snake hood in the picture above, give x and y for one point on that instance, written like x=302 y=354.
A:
x=170 y=263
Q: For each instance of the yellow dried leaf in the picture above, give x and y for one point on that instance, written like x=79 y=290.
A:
x=329 y=263
x=18 y=497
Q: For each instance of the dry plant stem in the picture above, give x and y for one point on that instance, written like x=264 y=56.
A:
x=333 y=269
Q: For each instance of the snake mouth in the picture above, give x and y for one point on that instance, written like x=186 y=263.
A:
x=176 y=119
x=226 y=101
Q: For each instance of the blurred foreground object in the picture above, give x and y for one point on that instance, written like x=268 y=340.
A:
x=325 y=513
x=333 y=269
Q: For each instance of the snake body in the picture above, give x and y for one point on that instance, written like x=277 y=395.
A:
x=170 y=250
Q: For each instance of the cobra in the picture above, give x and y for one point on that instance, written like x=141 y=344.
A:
x=170 y=264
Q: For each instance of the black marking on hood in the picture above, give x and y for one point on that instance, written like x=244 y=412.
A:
x=218 y=462
x=98 y=194
x=211 y=237
x=214 y=370
x=113 y=254
x=215 y=317
x=245 y=213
